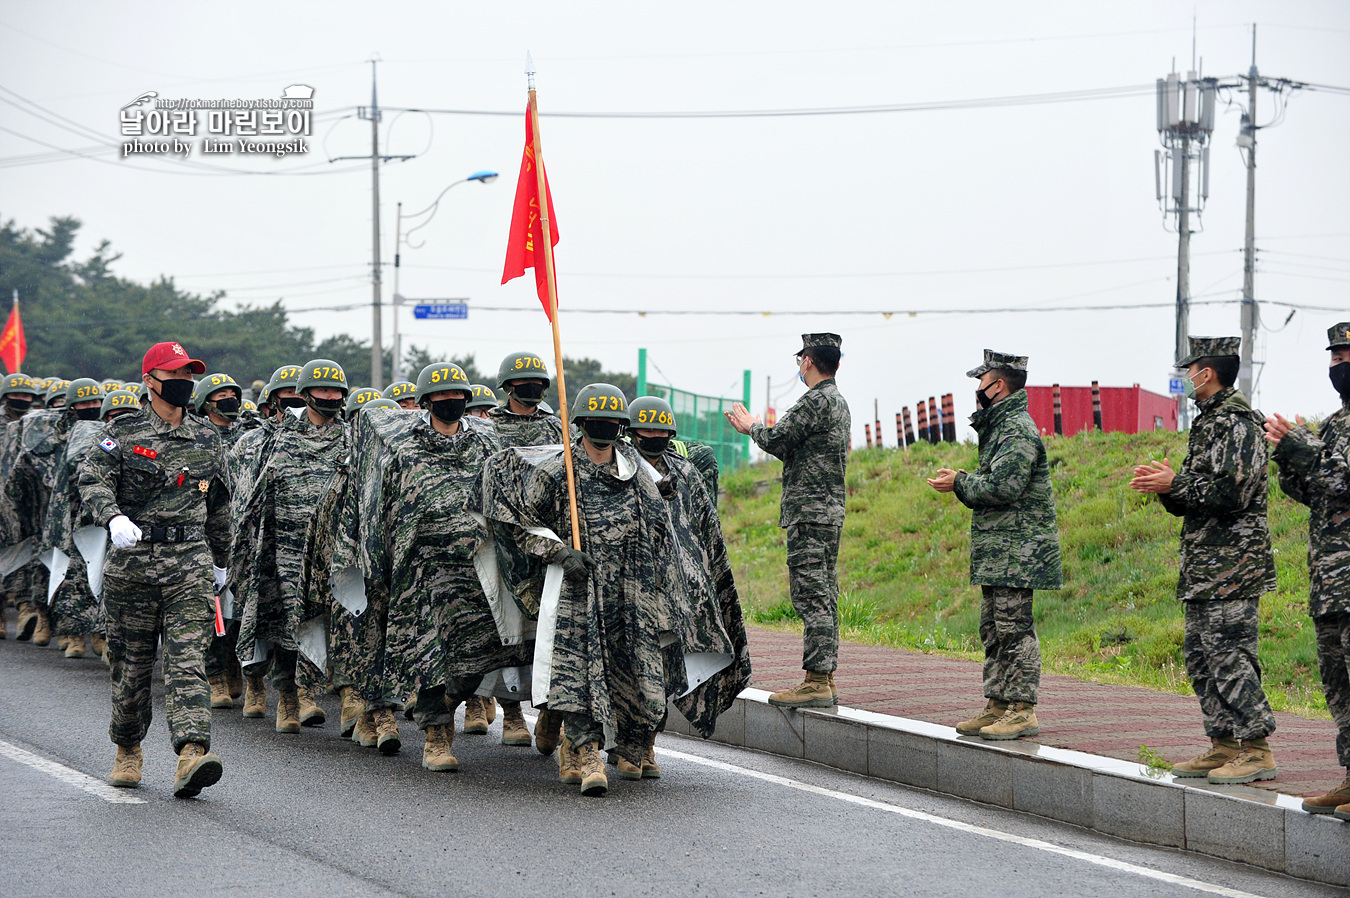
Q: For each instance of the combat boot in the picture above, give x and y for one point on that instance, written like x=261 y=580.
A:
x=386 y=730
x=547 y=731
x=813 y=692
x=100 y=646
x=475 y=717
x=42 y=634
x=220 y=691
x=4 y=624
x=1019 y=720
x=288 y=711
x=311 y=715
x=62 y=642
x=363 y=734
x=514 y=731
x=991 y=713
x=1255 y=762
x=834 y=690
x=352 y=706
x=436 y=752
x=650 y=769
x=1328 y=803
x=626 y=770
x=197 y=769
x=255 y=696
x=234 y=675
x=594 y=783
x=126 y=772
x=28 y=621
x=1220 y=753
x=569 y=768
x=490 y=707
x=74 y=647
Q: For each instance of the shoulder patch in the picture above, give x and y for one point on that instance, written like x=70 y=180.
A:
x=108 y=444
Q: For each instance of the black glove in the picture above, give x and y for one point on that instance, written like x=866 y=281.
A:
x=576 y=565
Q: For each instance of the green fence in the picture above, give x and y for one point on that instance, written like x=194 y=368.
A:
x=702 y=418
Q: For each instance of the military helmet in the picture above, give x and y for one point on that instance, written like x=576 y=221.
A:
x=321 y=373
x=651 y=413
x=400 y=389
x=82 y=389
x=56 y=389
x=442 y=376
x=210 y=384
x=600 y=401
x=137 y=389
x=249 y=406
x=381 y=403
x=18 y=383
x=285 y=376
x=45 y=384
x=111 y=384
x=359 y=397
x=483 y=397
x=523 y=366
x=117 y=400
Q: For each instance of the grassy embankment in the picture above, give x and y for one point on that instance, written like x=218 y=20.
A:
x=904 y=566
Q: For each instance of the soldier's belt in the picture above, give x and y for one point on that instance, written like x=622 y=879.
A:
x=155 y=533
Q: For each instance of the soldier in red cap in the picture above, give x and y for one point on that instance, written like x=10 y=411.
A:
x=158 y=482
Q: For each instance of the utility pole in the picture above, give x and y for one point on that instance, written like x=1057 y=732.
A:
x=1249 y=310
x=376 y=342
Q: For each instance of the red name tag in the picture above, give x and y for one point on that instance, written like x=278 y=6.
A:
x=141 y=450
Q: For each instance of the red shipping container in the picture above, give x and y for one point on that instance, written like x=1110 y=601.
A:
x=1124 y=409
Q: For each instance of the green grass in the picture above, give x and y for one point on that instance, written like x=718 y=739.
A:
x=904 y=566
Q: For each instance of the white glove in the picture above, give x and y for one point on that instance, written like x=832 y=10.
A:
x=124 y=533
x=220 y=573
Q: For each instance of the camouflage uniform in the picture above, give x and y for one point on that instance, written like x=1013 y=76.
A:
x=1226 y=559
x=16 y=588
x=1315 y=470
x=172 y=483
x=812 y=438
x=77 y=611
x=221 y=655
x=539 y=428
x=1014 y=537
x=704 y=460
x=32 y=474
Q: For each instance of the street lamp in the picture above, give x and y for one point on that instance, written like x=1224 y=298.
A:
x=482 y=177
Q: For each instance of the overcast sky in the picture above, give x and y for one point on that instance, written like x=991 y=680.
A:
x=971 y=208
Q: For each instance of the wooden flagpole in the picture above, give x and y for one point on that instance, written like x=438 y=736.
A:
x=553 y=308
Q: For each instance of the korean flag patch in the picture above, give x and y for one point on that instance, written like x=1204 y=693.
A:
x=109 y=444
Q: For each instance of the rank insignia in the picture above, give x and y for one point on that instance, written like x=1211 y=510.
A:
x=202 y=485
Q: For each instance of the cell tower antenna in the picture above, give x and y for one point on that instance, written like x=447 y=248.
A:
x=1192 y=39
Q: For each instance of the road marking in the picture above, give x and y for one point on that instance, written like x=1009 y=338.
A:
x=1098 y=859
x=70 y=777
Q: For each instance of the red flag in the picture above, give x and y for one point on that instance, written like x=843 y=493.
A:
x=13 y=346
x=526 y=230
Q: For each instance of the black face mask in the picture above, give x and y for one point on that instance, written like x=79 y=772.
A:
x=87 y=414
x=983 y=399
x=448 y=411
x=1340 y=379
x=329 y=408
x=19 y=406
x=290 y=402
x=530 y=394
x=600 y=432
x=227 y=408
x=651 y=447
x=176 y=392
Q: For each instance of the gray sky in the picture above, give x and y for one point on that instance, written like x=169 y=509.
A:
x=967 y=208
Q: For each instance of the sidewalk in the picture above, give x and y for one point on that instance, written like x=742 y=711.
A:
x=1074 y=714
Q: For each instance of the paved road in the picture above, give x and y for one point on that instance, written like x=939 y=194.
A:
x=317 y=815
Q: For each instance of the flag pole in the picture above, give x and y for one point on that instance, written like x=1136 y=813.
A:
x=553 y=308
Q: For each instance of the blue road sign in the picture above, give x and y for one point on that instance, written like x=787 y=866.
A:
x=1175 y=387
x=449 y=310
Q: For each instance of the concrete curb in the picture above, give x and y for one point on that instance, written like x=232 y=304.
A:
x=1118 y=798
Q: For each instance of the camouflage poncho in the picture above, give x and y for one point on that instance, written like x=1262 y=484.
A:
x=32 y=473
x=73 y=601
x=537 y=429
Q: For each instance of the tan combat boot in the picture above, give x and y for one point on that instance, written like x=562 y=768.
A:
x=569 y=767
x=834 y=690
x=28 y=621
x=126 y=772
x=650 y=769
x=4 y=624
x=1254 y=762
x=62 y=642
x=234 y=675
x=74 y=647
x=594 y=783
x=352 y=707
x=42 y=635
x=813 y=692
x=363 y=734
x=100 y=646
x=475 y=717
x=1220 y=753
x=490 y=706
x=436 y=752
x=220 y=691
x=547 y=731
x=311 y=715
x=255 y=696
x=386 y=731
x=514 y=731
x=991 y=713
x=197 y=769
x=288 y=711
x=1018 y=721
x=1328 y=803
x=626 y=770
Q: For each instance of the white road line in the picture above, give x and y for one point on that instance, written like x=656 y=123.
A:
x=70 y=777
x=1098 y=859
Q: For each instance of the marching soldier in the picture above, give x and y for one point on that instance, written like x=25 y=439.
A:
x=1315 y=470
x=20 y=393
x=812 y=438
x=1014 y=544
x=359 y=397
x=1226 y=562
x=482 y=402
x=158 y=482
x=403 y=392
